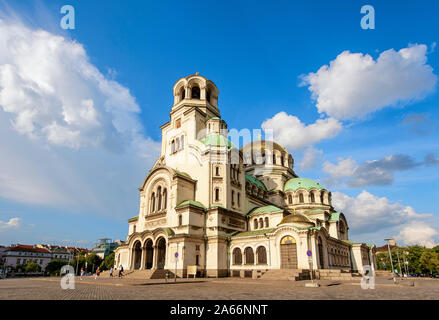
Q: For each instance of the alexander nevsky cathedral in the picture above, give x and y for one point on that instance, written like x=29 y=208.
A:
x=207 y=205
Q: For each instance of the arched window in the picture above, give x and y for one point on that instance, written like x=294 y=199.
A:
x=266 y=222
x=233 y=198
x=195 y=92
x=330 y=197
x=165 y=198
x=207 y=95
x=274 y=158
x=217 y=196
x=172 y=146
x=249 y=256
x=261 y=223
x=321 y=197
x=153 y=202
x=282 y=161
x=217 y=171
x=180 y=220
x=313 y=199
x=255 y=224
x=261 y=254
x=239 y=199
x=159 y=200
x=290 y=199
x=301 y=198
x=237 y=256
x=182 y=142
x=182 y=93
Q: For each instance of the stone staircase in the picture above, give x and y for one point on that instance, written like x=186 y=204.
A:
x=335 y=274
x=138 y=274
x=285 y=274
x=383 y=274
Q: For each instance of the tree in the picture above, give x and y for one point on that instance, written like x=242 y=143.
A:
x=108 y=262
x=54 y=266
x=93 y=261
x=32 y=267
x=429 y=261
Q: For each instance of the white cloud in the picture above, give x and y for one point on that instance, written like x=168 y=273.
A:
x=310 y=158
x=71 y=137
x=367 y=212
x=374 y=172
x=354 y=84
x=52 y=91
x=418 y=233
x=293 y=134
x=344 y=168
x=12 y=223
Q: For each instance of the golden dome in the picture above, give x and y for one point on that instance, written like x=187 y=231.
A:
x=263 y=145
x=296 y=217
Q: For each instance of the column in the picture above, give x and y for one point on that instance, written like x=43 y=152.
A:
x=143 y=259
x=154 y=257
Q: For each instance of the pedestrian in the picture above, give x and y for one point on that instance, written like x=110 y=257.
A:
x=81 y=274
x=98 y=272
x=120 y=271
x=111 y=272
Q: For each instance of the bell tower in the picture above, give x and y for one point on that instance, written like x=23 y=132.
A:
x=195 y=102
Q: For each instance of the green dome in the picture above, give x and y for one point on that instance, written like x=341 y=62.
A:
x=217 y=140
x=302 y=183
x=255 y=181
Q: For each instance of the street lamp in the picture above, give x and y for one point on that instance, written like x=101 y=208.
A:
x=390 y=257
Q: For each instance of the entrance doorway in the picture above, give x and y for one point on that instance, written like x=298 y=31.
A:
x=320 y=248
x=161 y=253
x=288 y=253
x=149 y=254
x=137 y=255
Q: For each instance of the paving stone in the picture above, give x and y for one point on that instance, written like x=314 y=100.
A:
x=224 y=288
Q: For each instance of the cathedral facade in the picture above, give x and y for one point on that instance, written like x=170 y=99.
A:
x=231 y=211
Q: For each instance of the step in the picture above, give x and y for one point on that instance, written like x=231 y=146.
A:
x=286 y=274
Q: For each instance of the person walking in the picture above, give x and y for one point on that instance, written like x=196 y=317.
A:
x=120 y=271
x=98 y=272
x=81 y=274
x=111 y=272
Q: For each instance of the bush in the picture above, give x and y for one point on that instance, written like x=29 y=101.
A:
x=32 y=267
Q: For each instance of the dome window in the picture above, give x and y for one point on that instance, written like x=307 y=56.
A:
x=195 y=92
x=182 y=93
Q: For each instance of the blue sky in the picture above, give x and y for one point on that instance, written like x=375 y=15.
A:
x=256 y=54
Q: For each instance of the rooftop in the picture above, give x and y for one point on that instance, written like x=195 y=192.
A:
x=302 y=183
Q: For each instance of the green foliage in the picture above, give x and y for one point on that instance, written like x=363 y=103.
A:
x=429 y=261
x=108 y=262
x=54 y=267
x=32 y=267
x=420 y=259
x=93 y=261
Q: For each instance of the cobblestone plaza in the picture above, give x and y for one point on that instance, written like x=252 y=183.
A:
x=222 y=289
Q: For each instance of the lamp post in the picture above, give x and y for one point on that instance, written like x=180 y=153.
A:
x=406 y=263
x=390 y=257
x=399 y=263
